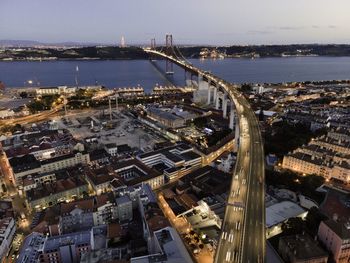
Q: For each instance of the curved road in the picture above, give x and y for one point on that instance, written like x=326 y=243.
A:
x=243 y=230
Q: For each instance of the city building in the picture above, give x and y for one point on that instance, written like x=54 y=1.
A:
x=202 y=218
x=142 y=192
x=134 y=172
x=67 y=248
x=278 y=213
x=328 y=156
x=118 y=150
x=206 y=180
x=61 y=90
x=43 y=144
x=301 y=249
x=105 y=209
x=166 y=246
x=20 y=167
x=109 y=255
x=64 y=161
x=335 y=236
x=77 y=219
x=173 y=161
x=31 y=248
x=6 y=209
x=47 y=91
x=165 y=117
x=124 y=208
x=130 y=92
x=62 y=190
x=99 y=156
x=99 y=179
x=7 y=233
x=6 y=113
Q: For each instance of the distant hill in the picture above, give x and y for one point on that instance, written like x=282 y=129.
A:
x=18 y=43
x=34 y=50
x=32 y=43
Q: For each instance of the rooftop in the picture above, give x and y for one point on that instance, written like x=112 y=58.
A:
x=101 y=175
x=78 y=238
x=24 y=163
x=60 y=185
x=145 y=173
x=278 y=213
x=341 y=229
x=123 y=200
x=303 y=247
x=30 y=248
x=164 y=114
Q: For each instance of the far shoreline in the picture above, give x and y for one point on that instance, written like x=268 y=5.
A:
x=198 y=58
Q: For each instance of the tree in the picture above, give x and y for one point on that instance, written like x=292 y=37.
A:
x=292 y=226
x=23 y=95
x=246 y=87
x=17 y=127
x=313 y=220
x=261 y=115
x=201 y=122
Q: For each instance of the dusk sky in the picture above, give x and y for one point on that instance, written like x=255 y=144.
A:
x=221 y=22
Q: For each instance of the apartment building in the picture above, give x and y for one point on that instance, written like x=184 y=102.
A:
x=328 y=156
x=166 y=246
x=301 y=249
x=62 y=189
x=335 y=236
x=21 y=167
x=133 y=172
x=173 y=161
x=7 y=233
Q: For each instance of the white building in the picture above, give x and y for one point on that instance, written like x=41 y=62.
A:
x=177 y=156
x=279 y=213
x=7 y=233
x=55 y=90
x=165 y=246
x=28 y=164
x=6 y=113
x=124 y=208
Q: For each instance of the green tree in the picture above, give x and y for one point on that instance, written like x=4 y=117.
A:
x=261 y=115
x=313 y=220
x=292 y=226
x=246 y=87
x=23 y=94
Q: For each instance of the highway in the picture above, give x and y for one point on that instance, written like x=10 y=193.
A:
x=243 y=230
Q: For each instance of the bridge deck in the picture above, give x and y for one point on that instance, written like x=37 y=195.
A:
x=243 y=230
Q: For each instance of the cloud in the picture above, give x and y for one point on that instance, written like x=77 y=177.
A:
x=291 y=28
x=259 y=32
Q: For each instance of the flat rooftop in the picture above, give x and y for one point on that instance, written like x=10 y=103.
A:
x=278 y=213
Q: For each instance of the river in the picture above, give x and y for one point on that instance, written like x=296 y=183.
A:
x=127 y=73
